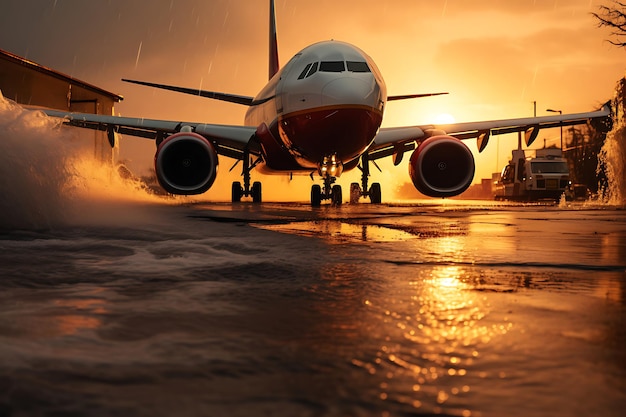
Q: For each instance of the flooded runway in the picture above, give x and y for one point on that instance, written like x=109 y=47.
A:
x=448 y=308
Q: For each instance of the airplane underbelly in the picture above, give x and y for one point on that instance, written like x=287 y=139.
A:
x=344 y=131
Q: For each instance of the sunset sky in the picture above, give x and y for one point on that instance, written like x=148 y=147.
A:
x=495 y=57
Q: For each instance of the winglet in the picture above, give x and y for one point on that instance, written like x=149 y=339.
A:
x=273 y=62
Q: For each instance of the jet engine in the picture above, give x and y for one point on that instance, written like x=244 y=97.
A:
x=186 y=163
x=442 y=166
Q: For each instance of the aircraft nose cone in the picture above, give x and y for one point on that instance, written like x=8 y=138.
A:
x=349 y=90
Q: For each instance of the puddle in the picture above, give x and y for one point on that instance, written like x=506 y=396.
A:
x=340 y=232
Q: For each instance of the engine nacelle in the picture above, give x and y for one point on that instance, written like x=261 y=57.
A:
x=442 y=166
x=186 y=163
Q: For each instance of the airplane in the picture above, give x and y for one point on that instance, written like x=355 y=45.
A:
x=321 y=113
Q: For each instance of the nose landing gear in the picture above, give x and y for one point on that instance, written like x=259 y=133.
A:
x=330 y=168
x=327 y=192
x=333 y=192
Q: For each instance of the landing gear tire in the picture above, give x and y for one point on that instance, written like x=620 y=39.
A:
x=237 y=192
x=316 y=195
x=375 y=193
x=337 y=197
x=256 y=192
x=355 y=193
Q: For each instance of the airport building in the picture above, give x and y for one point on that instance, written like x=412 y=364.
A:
x=29 y=83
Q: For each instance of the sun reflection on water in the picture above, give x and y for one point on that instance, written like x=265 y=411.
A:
x=432 y=334
x=78 y=314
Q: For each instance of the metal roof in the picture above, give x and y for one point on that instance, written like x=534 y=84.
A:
x=56 y=74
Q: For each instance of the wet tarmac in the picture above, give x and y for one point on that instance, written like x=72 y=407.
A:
x=430 y=308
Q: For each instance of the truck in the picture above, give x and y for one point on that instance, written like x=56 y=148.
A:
x=531 y=178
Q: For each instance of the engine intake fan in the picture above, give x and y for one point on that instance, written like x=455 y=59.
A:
x=442 y=166
x=186 y=163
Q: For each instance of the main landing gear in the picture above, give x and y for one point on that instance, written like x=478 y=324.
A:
x=239 y=191
x=357 y=191
x=374 y=193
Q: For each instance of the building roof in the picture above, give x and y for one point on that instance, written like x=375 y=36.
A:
x=56 y=74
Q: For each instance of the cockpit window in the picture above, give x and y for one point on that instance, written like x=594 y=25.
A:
x=309 y=70
x=355 y=66
x=304 y=71
x=332 y=66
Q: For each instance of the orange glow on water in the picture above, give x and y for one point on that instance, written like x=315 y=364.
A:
x=71 y=324
x=447 y=327
x=79 y=314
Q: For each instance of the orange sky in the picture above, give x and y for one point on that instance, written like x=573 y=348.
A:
x=495 y=57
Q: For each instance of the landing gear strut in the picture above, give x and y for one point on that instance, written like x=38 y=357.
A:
x=328 y=192
x=357 y=191
x=239 y=191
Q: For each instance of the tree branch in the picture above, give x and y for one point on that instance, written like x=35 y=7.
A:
x=614 y=18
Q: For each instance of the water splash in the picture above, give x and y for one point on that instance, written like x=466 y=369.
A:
x=613 y=156
x=613 y=153
x=33 y=171
x=46 y=177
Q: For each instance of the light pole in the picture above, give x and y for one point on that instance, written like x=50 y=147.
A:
x=559 y=112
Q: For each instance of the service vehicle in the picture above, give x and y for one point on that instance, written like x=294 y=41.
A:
x=542 y=176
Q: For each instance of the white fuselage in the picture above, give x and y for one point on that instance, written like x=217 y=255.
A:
x=326 y=102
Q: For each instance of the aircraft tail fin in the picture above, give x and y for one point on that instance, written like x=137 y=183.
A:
x=273 y=62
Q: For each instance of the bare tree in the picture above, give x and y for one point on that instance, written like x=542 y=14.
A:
x=614 y=17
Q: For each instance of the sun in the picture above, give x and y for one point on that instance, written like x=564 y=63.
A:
x=444 y=119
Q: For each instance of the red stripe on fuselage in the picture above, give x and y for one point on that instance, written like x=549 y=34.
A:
x=344 y=130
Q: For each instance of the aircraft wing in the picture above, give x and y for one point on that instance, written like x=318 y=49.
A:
x=229 y=140
x=397 y=140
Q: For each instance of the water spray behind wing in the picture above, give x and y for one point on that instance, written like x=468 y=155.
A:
x=48 y=180
x=32 y=168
